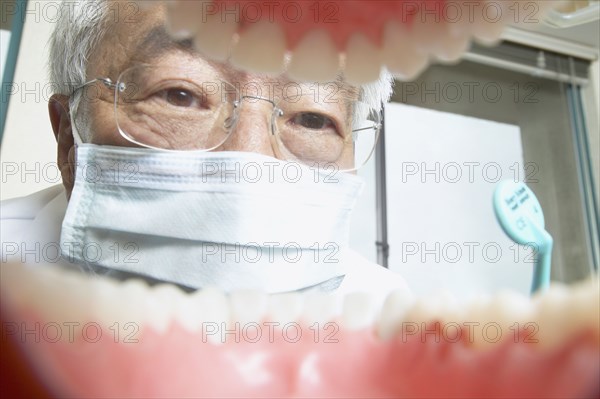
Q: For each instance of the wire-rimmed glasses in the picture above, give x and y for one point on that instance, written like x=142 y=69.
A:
x=184 y=109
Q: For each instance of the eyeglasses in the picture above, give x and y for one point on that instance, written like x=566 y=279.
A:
x=179 y=109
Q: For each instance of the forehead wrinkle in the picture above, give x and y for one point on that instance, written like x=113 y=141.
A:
x=158 y=42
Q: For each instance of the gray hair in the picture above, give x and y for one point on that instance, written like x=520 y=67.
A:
x=377 y=93
x=82 y=25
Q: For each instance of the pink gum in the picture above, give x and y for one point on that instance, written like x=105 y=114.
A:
x=179 y=364
x=339 y=18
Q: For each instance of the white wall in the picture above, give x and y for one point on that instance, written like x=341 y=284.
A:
x=442 y=170
x=28 y=150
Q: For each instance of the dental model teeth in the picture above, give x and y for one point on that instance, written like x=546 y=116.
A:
x=363 y=60
x=400 y=52
x=146 y=4
x=23 y=294
x=214 y=37
x=358 y=311
x=253 y=53
x=182 y=17
x=500 y=319
x=207 y=307
x=452 y=44
x=285 y=308
x=320 y=34
x=248 y=306
x=319 y=308
x=103 y=302
x=316 y=45
x=393 y=314
x=154 y=341
x=160 y=305
x=558 y=316
x=584 y=307
x=59 y=308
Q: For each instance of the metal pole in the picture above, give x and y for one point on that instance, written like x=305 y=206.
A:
x=382 y=244
x=584 y=169
x=524 y=69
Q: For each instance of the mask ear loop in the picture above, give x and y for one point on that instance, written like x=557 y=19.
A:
x=76 y=137
x=74 y=132
x=77 y=141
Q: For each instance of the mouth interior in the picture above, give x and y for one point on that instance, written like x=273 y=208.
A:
x=96 y=337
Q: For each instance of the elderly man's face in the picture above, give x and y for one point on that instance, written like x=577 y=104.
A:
x=143 y=40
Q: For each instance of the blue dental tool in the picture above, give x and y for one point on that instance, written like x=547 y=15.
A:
x=520 y=215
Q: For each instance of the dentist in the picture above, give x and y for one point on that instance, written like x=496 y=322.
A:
x=176 y=168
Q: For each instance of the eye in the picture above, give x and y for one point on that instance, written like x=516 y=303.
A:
x=314 y=121
x=179 y=97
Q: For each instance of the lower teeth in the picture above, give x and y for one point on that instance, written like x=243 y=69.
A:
x=161 y=334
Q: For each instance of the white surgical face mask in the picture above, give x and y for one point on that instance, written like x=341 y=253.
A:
x=229 y=219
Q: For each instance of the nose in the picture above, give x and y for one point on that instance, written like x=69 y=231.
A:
x=252 y=131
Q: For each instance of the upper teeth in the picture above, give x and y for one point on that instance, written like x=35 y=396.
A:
x=427 y=32
x=256 y=54
x=316 y=45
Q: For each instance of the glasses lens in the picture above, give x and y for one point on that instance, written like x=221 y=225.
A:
x=183 y=109
x=365 y=132
x=327 y=127
x=173 y=108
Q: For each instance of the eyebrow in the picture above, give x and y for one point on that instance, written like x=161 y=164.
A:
x=158 y=42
